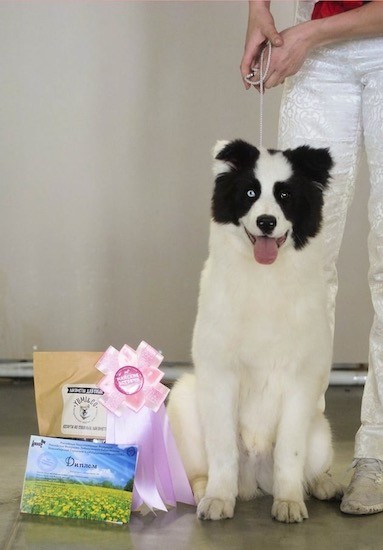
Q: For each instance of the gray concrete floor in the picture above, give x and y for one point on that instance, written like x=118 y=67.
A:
x=252 y=526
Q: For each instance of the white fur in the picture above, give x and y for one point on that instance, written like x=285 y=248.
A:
x=249 y=420
x=271 y=168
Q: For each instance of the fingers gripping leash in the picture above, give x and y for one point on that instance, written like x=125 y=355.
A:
x=260 y=75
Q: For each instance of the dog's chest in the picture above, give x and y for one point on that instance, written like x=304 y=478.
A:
x=259 y=409
x=268 y=318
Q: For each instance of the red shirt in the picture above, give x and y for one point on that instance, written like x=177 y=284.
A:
x=325 y=9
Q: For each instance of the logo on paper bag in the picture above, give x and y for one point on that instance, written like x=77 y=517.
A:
x=82 y=414
x=85 y=409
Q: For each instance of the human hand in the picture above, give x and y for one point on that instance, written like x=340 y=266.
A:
x=260 y=29
x=288 y=59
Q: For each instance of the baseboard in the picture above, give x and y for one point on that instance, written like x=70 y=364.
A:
x=342 y=374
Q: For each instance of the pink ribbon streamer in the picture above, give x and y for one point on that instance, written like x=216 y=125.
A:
x=160 y=479
x=136 y=414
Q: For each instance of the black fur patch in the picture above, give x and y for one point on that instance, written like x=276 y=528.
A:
x=310 y=177
x=230 y=200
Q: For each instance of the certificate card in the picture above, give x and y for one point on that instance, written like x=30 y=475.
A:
x=79 y=479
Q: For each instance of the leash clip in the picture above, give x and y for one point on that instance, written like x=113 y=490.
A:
x=254 y=74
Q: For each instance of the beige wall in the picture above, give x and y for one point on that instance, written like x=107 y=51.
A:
x=108 y=114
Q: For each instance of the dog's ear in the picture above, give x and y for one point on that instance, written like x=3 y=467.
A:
x=315 y=164
x=219 y=165
x=234 y=155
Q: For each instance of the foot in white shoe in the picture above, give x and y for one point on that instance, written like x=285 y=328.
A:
x=364 y=495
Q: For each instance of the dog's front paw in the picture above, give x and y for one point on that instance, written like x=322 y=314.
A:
x=215 y=508
x=289 y=511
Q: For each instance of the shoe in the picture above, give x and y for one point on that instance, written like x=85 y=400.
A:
x=364 y=495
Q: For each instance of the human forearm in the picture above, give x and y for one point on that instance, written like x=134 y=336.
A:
x=300 y=40
x=261 y=20
x=256 y=5
x=363 y=22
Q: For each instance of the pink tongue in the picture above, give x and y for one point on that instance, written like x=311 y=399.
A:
x=265 y=250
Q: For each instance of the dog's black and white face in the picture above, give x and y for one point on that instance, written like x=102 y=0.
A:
x=274 y=197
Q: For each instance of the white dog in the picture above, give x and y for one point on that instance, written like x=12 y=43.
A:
x=250 y=420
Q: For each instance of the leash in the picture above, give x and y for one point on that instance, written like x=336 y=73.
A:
x=261 y=74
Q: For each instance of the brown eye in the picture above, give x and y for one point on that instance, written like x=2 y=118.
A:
x=284 y=195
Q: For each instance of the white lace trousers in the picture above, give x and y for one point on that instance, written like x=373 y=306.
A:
x=336 y=101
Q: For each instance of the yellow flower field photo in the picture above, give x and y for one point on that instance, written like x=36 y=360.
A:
x=76 y=500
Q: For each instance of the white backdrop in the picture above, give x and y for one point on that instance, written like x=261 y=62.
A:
x=108 y=113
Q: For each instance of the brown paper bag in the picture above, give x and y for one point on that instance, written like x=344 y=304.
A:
x=67 y=395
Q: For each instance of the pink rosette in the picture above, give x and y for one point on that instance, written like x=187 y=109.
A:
x=132 y=379
x=134 y=398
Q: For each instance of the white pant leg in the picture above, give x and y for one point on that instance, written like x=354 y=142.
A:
x=321 y=107
x=304 y=9
x=369 y=439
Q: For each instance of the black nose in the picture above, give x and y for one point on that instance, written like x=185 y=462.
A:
x=266 y=223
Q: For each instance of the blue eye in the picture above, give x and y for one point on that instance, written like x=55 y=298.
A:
x=251 y=193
